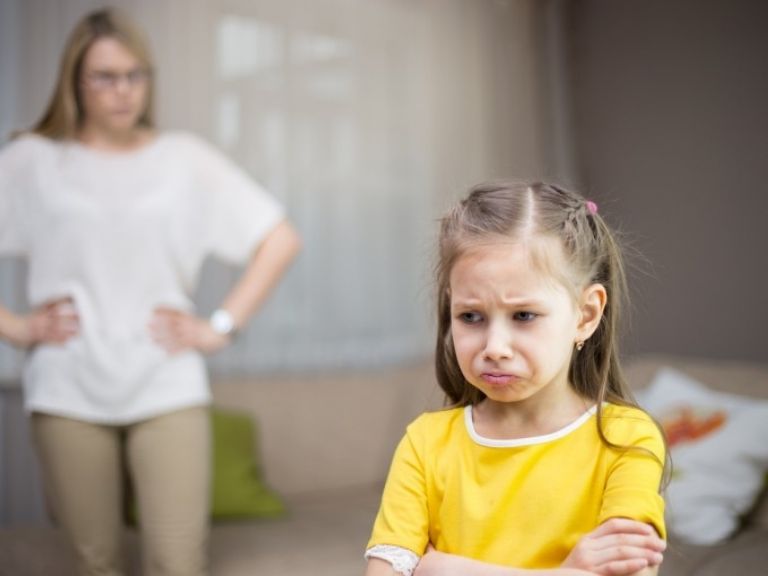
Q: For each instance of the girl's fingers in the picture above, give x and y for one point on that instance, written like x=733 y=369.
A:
x=624 y=526
x=621 y=567
x=626 y=553
x=653 y=543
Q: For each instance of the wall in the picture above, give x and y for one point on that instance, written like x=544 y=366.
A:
x=669 y=105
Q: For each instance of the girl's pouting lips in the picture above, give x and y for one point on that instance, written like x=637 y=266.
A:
x=498 y=379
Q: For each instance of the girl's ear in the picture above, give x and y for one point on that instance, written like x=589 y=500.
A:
x=591 y=306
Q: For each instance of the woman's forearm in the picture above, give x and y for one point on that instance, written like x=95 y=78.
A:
x=10 y=327
x=265 y=268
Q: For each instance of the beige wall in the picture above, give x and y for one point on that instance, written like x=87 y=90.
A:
x=671 y=114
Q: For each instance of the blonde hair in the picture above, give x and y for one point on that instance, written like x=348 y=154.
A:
x=520 y=211
x=64 y=114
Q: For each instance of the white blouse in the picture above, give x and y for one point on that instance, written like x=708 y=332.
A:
x=122 y=233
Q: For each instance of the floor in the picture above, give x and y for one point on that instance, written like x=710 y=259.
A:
x=323 y=534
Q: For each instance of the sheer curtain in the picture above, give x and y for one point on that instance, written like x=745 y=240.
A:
x=365 y=117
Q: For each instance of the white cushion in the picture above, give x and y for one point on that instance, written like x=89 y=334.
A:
x=719 y=447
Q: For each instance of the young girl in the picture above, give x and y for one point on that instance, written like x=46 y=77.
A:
x=115 y=219
x=543 y=463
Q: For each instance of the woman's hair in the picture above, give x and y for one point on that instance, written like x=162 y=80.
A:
x=64 y=114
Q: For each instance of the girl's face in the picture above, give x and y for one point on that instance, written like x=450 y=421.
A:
x=513 y=325
x=113 y=87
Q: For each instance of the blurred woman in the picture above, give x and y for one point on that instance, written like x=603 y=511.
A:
x=115 y=219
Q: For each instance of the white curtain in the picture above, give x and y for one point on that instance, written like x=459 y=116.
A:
x=365 y=117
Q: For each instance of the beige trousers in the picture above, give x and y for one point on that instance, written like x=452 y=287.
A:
x=168 y=460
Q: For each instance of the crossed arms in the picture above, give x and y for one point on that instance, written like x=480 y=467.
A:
x=618 y=547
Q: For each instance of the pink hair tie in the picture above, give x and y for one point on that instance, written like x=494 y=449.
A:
x=591 y=207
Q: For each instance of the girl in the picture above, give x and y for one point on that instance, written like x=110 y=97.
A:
x=543 y=462
x=115 y=219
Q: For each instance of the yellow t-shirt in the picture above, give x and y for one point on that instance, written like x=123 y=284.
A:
x=524 y=502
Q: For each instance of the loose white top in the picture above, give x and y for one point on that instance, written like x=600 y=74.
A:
x=122 y=233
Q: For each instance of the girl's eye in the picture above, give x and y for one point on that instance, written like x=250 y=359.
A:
x=470 y=317
x=525 y=316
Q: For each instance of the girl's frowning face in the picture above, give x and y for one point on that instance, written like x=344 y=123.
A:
x=513 y=325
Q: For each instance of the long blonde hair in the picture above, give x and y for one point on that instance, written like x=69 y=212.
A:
x=64 y=114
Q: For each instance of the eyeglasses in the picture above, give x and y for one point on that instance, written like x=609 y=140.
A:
x=108 y=80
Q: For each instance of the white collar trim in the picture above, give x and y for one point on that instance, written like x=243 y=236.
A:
x=513 y=442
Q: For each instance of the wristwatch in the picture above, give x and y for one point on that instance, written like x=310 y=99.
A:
x=222 y=322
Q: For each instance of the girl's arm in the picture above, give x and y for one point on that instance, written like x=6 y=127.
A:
x=176 y=330
x=435 y=563
x=379 y=567
x=618 y=547
x=439 y=564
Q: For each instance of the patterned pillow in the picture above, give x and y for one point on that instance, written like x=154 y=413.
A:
x=719 y=447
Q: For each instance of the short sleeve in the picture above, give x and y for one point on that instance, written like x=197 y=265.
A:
x=403 y=518
x=12 y=188
x=239 y=212
x=633 y=485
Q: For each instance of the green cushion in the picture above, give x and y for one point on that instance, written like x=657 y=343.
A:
x=238 y=489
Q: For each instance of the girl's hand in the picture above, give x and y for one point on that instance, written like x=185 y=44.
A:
x=617 y=547
x=176 y=331
x=54 y=322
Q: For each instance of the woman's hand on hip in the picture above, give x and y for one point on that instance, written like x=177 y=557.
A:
x=176 y=330
x=53 y=322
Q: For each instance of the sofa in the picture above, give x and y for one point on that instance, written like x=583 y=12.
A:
x=324 y=443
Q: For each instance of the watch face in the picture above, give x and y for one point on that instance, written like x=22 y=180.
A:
x=221 y=322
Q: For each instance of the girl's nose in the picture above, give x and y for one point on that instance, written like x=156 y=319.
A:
x=498 y=344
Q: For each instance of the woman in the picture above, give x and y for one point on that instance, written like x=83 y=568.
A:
x=115 y=219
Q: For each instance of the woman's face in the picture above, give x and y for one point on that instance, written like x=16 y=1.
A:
x=113 y=87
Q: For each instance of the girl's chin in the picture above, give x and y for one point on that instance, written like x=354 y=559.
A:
x=504 y=394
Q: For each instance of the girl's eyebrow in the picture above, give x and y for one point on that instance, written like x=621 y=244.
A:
x=517 y=302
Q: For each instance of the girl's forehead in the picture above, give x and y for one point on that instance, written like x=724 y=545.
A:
x=540 y=258
x=545 y=254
